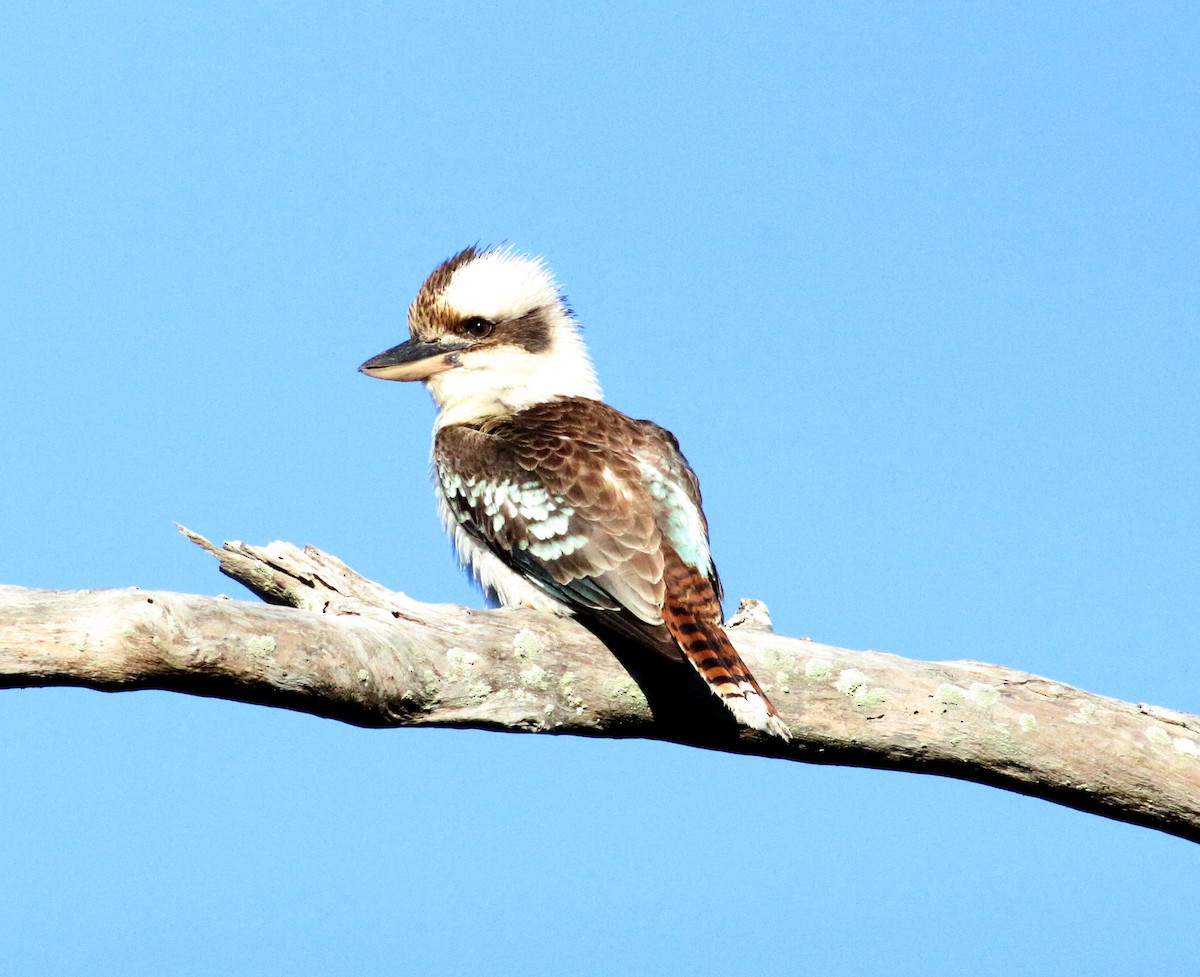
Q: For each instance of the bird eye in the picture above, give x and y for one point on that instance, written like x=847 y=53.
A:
x=477 y=327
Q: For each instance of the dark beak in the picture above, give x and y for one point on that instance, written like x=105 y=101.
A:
x=413 y=360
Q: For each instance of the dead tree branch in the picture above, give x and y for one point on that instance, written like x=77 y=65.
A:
x=343 y=647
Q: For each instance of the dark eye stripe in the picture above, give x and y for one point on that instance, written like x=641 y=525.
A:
x=531 y=331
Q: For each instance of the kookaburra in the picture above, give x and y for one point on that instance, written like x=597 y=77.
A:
x=554 y=499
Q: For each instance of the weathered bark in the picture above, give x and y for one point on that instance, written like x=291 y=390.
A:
x=346 y=648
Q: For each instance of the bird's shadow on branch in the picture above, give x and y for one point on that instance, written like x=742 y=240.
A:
x=682 y=704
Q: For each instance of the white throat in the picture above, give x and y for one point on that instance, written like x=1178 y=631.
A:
x=504 y=379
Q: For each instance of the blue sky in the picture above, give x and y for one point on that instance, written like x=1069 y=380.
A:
x=914 y=284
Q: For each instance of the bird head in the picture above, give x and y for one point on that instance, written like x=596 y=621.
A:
x=490 y=334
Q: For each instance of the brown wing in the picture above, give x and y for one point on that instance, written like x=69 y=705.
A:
x=556 y=493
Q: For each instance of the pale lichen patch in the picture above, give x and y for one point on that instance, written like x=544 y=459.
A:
x=534 y=677
x=516 y=693
x=432 y=683
x=478 y=691
x=261 y=645
x=566 y=685
x=364 y=676
x=849 y=681
x=983 y=694
x=623 y=689
x=462 y=669
x=1027 y=722
x=777 y=659
x=1158 y=736
x=853 y=683
x=818 y=668
x=950 y=695
x=1186 y=747
x=462 y=659
x=528 y=643
x=1085 y=715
